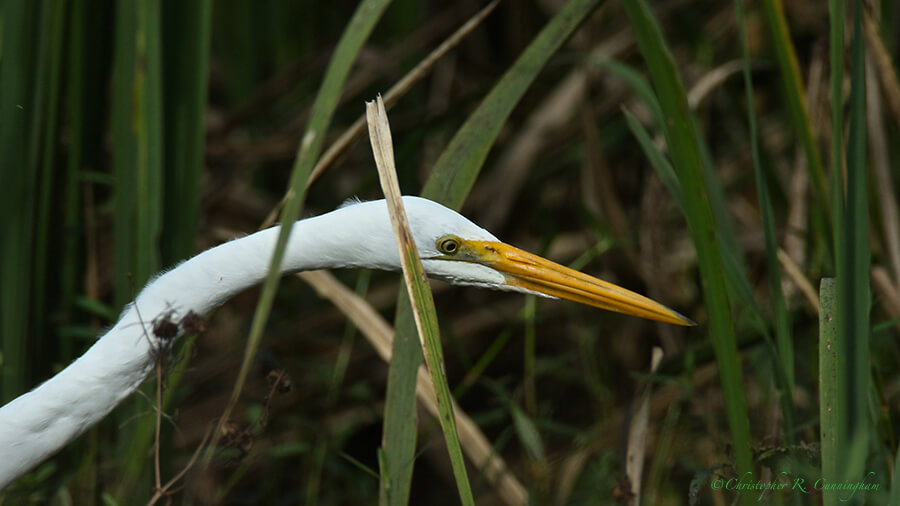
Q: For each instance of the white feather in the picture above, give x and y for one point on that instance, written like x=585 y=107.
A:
x=358 y=234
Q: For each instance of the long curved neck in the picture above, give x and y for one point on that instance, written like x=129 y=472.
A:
x=38 y=423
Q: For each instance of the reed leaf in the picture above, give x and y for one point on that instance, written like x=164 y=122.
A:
x=356 y=33
x=852 y=279
x=829 y=386
x=137 y=168
x=420 y=296
x=739 y=289
x=451 y=179
x=186 y=51
x=682 y=138
x=184 y=108
x=19 y=123
x=794 y=95
x=457 y=168
x=784 y=351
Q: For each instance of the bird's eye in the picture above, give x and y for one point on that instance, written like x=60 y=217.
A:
x=448 y=245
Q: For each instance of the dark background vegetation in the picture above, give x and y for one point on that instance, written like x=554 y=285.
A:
x=227 y=87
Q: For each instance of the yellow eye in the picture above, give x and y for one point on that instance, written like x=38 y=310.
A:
x=448 y=245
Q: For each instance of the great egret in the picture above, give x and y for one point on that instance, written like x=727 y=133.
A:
x=38 y=423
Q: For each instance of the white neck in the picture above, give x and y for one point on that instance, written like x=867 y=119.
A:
x=38 y=423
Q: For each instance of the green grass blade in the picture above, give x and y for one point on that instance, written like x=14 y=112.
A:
x=185 y=103
x=796 y=98
x=528 y=433
x=33 y=103
x=738 y=285
x=138 y=171
x=895 y=482
x=398 y=438
x=50 y=57
x=846 y=432
x=658 y=160
x=853 y=291
x=638 y=84
x=453 y=176
x=834 y=429
x=682 y=138
x=69 y=266
x=124 y=150
x=785 y=345
x=836 y=9
x=17 y=122
x=529 y=375
x=478 y=368
x=356 y=33
x=829 y=386
x=739 y=290
x=458 y=166
x=147 y=88
x=384 y=473
x=419 y=292
x=186 y=50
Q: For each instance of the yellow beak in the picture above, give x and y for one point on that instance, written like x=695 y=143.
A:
x=531 y=272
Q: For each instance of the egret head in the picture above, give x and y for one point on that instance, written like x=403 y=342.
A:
x=454 y=249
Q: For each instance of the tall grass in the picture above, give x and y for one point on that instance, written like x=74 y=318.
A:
x=452 y=177
x=21 y=104
x=419 y=293
x=792 y=81
x=784 y=352
x=358 y=30
x=682 y=139
x=852 y=277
